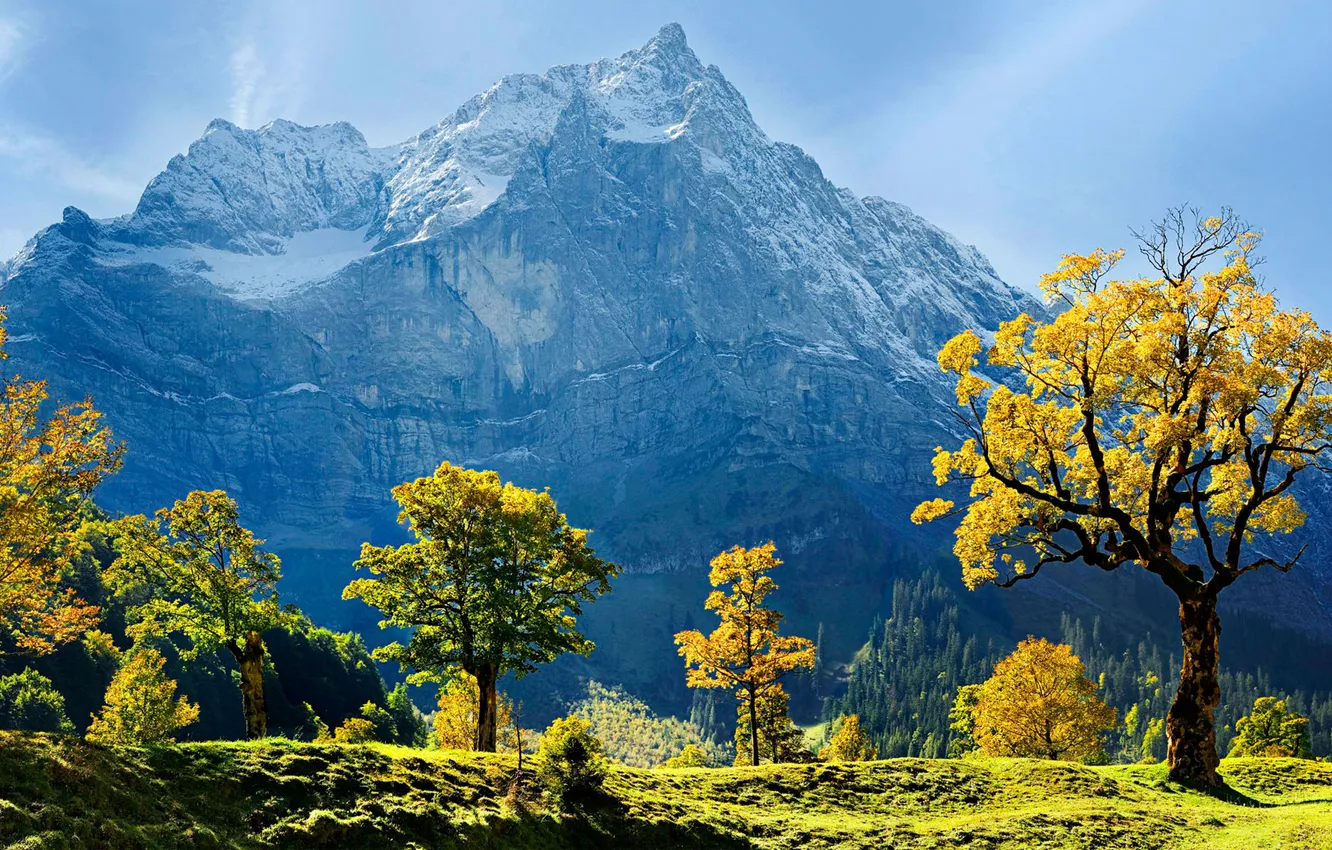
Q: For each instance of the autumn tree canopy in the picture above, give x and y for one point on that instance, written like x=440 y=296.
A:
x=744 y=653
x=1038 y=704
x=49 y=467
x=493 y=584
x=1158 y=422
x=193 y=569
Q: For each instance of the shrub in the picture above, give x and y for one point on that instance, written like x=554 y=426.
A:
x=29 y=701
x=386 y=729
x=570 y=764
x=356 y=730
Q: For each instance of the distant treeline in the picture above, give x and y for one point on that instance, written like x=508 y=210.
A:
x=905 y=679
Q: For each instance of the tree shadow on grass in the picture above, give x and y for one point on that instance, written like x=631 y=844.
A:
x=596 y=819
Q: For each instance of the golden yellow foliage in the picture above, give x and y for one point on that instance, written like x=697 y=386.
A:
x=48 y=468
x=849 y=743
x=779 y=739
x=1158 y=422
x=744 y=653
x=141 y=704
x=1038 y=704
x=355 y=730
x=455 y=721
x=1155 y=410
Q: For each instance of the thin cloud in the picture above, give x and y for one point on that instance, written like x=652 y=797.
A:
x=11 y=46
x=46 y=158
x=247 y=70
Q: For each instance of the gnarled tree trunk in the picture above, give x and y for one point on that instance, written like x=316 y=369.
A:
x=487 y=709
x=1190 y=725
x=250 y=657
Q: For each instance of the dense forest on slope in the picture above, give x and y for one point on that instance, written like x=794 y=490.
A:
x=635 y=736
x=904 y=680
x=331 y=672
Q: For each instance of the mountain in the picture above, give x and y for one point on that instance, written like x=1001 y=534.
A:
x=605 y=279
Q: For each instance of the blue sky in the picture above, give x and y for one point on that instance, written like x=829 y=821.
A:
x=1029 y=128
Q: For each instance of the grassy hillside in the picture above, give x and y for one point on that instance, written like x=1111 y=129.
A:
x=59 y=792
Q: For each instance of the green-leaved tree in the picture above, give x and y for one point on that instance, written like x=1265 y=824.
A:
x=493 y=583
x=194 y=570
x=1271 y=730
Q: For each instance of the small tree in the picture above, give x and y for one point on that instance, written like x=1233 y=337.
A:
x=455 y=720
x=779 y=738
x=570 y=762
x=493 y=583
x=1272 y=731
x=849 y=742
x=691 y=756
x=29 y=701
x=193 y=569
x=411 y=727
x=962 y=721
x=1162 y=425
x=1038 y=704
x=141 y=704
x=744 y=653
x=386 y=730
x=48 y=469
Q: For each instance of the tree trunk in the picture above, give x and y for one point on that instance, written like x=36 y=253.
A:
x=753 y=728
x=251 y=660
x=486 y=709
x=1190 y=727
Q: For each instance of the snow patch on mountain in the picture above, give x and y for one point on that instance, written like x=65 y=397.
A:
x=300 y=261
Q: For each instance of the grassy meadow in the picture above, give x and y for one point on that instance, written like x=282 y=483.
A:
x=63 y=792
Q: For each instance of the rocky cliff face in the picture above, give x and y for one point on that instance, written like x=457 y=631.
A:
x=606 y=279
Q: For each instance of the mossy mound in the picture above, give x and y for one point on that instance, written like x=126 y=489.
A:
x=63 y=792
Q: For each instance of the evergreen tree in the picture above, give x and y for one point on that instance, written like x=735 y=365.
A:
x=407 y=721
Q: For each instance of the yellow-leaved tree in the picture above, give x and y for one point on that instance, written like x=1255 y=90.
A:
x=1038 y=704
x=456 y=720
x=49 y=466
x=141 y=704
x=1157 y=422
x=850 y=742
x=744 y=653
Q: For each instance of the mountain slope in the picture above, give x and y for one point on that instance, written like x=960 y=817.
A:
x=606 y=279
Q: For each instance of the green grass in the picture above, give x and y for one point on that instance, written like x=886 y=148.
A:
x=62 y=792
